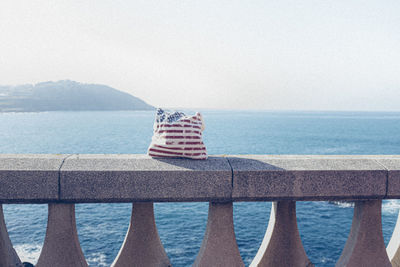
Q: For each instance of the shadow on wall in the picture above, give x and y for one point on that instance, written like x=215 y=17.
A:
x=220 y=163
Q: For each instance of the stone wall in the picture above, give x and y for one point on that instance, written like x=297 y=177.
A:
x=62 y=180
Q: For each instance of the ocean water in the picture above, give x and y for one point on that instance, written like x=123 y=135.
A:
x=323 y=226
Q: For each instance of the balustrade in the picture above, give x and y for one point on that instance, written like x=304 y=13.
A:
x=61 y=181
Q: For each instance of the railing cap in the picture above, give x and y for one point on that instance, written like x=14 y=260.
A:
x=142 y=178
x=392 y=164
x=31 y=162
x=304 y=177
x=29 y=177
x=138 y=162
x=303 y=163
x=126 y=178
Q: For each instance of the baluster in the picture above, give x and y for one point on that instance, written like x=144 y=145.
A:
x=393 y=249
x=282 y=244
x=365 y=246
x=61 y=245
x=142 y=245
x=219 y=247
x=8 y=256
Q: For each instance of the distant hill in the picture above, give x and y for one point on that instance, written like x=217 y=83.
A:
x=66 y=95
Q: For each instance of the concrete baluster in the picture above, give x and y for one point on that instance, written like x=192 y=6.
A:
x=142 y=245
x=282 y=244
x=393 y=249
x=365 y=246
x=61 y=246
x=219 y=247
x=8 y=256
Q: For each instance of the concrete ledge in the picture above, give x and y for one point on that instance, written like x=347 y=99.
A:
x=29 y=178
x=307 y=177
x=135 y=178
x=128 y=178
x=392 y=164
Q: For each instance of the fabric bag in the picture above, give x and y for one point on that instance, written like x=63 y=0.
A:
x=177 y=135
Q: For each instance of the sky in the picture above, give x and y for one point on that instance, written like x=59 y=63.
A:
x=267 y=54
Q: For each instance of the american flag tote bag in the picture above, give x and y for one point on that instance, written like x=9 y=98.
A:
x=177 y=135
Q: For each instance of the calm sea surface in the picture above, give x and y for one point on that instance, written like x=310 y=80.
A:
x=101 y=227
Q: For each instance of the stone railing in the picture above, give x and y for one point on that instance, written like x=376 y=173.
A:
x=62 y=180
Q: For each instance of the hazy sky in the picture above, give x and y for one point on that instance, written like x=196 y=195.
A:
x=301 y=54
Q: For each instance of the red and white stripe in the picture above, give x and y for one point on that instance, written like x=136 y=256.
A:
x=182 y=138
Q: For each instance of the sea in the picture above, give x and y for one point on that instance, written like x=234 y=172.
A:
x=323 y=226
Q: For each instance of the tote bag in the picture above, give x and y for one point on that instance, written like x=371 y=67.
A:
x=177 y=135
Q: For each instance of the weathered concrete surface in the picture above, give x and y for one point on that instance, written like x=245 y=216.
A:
x=8 y=256
x=365 y=246
x=282 y=245
x=306 y=177
x=29 y=178
x=392 y=164
x=132 y=178
x=61 y=246
x=142 y=245
x=219 y=247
